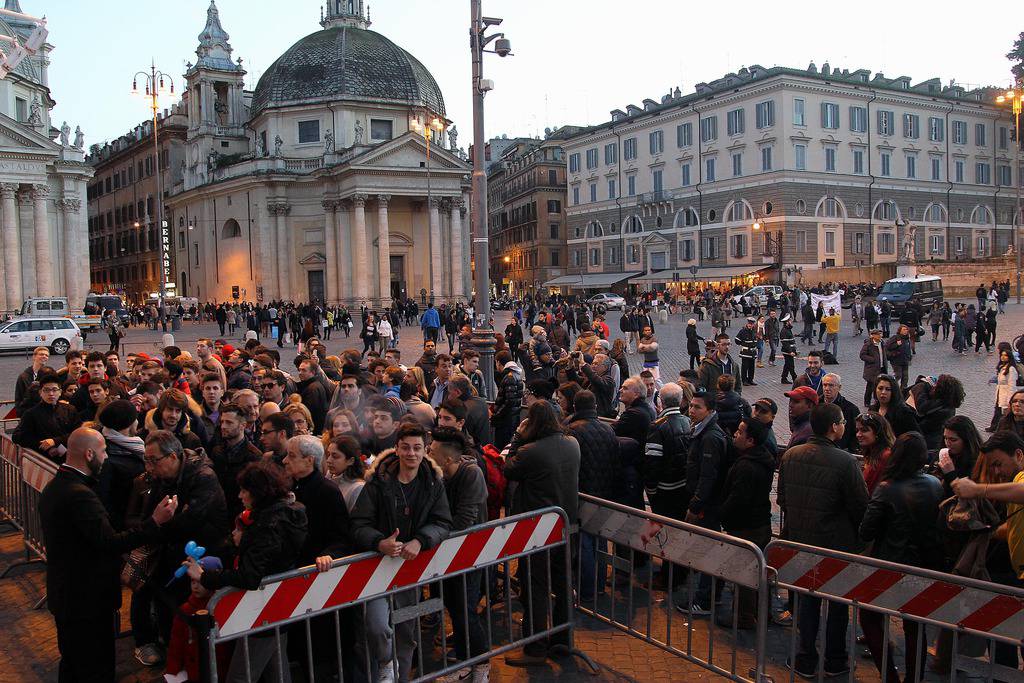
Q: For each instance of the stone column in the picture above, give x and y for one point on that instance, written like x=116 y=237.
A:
x=360 y=260
x=12 y=246
x=44 y=249
x=284 y=249
x=268 y=264
x=435 y=247
x=383 y=249
x=341 y=246
x=456 y=248
x=330 y=230
x=467 y=250
x=69 y=207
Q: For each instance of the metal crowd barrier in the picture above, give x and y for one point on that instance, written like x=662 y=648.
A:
x=973 y=617
x=637 y=537
x=11 y=508
x=331 y=617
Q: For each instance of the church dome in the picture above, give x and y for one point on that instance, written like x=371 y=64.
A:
x=345 y=62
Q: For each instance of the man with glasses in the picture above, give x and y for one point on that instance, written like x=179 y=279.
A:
x=823 y=495
x=202 y=517
x=277 y=429
x=46 y=426
x=272 y=388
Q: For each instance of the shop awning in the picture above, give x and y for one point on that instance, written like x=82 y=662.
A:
x=565 y=281
x=710 y=274
x=589 y=280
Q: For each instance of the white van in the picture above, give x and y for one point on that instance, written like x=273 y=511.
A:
x=759 y=294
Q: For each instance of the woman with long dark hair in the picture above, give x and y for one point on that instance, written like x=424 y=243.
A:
x=1013 y=421
x=269 y=537
x=889 y=404
x=936 y=400
x=875 y=438
x=1005 y=380
x=957 y=459
x=900 y=525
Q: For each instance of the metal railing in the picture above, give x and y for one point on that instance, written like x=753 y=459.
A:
x=638 y=537
x=367 y=610
x=973 y=616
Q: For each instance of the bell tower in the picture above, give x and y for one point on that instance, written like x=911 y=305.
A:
x=345 y=13
x=215 y=102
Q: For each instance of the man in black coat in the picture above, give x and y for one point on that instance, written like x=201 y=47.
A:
x=203 y=519
x=899 y=352
x=23 y=398
x=45 y=427
x=83 y=563
x=747 y=340
x=314 y=396
x=832 y=385
x=598 y=379
x=230 y=453
x=747 y=507
x=636 y=419
x=706 y=465
x=599 y=448
x=478 y=422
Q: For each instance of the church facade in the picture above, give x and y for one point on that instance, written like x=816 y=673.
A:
x=43 y=176
x=319 y=184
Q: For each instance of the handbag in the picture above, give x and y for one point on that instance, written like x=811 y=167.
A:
x=138 y=569
x=974 y=514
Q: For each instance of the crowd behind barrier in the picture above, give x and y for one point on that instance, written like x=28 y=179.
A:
x=592 y=556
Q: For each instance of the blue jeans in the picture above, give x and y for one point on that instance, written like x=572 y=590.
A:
x=588 y=567
x=832 y=339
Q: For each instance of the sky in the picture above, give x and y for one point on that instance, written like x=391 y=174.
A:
x=574 y=60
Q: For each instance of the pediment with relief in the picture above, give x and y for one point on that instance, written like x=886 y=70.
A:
x=408 y=151
x=16 y=137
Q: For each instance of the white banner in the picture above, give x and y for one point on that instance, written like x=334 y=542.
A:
x=828 y=301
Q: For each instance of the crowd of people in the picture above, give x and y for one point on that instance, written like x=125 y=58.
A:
x=271 y=468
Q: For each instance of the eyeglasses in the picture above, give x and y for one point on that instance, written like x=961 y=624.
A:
x=269 y=385
x=153 y=461
x=1017 y=400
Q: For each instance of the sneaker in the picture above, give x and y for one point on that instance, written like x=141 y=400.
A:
x=806 y=674
x=460 y=676
x=386 y=673
x=481 y=673
x=694 y=609
x=784 y=618
x=149 y=655
x=838 y=670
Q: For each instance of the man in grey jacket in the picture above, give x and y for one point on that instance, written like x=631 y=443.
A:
x=823 y=496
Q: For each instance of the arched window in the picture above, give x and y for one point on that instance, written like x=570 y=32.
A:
x=739 y=210
x=594 y=229
x=231 y=229
x=935 y=213
x=686 y=218
x=830 y=207
x=633 y=224
x=886 y=210
x=982 y=215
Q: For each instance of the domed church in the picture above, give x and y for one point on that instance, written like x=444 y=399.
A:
x=318 y=185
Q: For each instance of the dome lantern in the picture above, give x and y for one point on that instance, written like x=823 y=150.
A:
x=345 y=13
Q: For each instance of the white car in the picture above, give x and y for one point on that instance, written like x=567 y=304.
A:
x=58 y=334
x=759 y=294
x=608 y=300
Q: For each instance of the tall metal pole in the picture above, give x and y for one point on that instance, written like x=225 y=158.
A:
x=483 y=335
x=1016 y=222
x=159 y=188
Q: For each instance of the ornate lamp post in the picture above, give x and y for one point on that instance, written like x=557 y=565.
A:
x=772 y=244
x=483 y=335
x=1015 y=98
x=155 y=86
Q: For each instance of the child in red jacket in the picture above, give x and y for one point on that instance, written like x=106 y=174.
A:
x=183 y=650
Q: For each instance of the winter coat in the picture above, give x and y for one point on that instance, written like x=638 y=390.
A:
x=664 y=462
x=747 y=491
x=599 y=454
x=900 y=521
x=706 y=466
x=635 y=421
x=123 y=465
x=823 y=494
x=731 y=408
x=850 y=413
x=693 y=340
x=466 y=491
x=327 y=531
x=314 y=397
x=604 y=390
x=509 y=399
x=227 y=461
x=547 y=472
x=270 y=545
x=375 y=515
x=1006 y=384
x=430 y=318
x=875 y=361
x=44 y=421
x=899 y=353
x=902 y=419
x=710 y=370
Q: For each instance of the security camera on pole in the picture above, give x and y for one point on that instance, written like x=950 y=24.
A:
x=483 y=333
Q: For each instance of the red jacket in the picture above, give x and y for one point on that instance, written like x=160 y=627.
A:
x=183 y=650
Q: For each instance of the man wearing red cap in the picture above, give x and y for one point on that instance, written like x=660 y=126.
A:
x=801 y=401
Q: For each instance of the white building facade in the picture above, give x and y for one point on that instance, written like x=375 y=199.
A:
x=838 y=168
x=315 y=186
x=43 y=222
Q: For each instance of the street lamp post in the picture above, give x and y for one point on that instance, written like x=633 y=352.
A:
x=1016 y=98
x=154 y=81
x=772 y=243
x=483 y=334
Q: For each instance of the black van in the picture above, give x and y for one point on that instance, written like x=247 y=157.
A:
x=923 y=289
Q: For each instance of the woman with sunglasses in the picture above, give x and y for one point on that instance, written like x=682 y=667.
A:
x=889 y=404
x=875 y=438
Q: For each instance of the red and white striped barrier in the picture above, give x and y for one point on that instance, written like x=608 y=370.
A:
x=35 y=473
x=924 y=595
x=237 y=611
